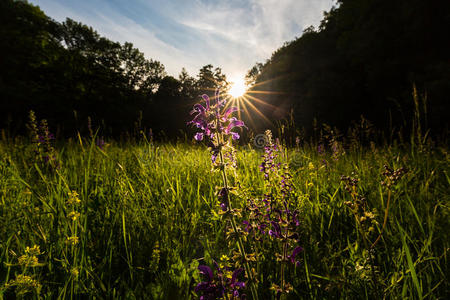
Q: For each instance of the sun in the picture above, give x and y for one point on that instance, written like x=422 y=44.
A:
x=238 y=88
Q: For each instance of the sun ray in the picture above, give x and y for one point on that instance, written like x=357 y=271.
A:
x=260 y=101
x=256 y=110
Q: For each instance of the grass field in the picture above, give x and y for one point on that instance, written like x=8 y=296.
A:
x=146 y=215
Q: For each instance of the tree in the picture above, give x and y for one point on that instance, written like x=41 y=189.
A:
x=188 y=85
x=252 y=75
x=210 y=79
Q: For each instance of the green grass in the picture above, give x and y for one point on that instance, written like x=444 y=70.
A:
x=148 y=217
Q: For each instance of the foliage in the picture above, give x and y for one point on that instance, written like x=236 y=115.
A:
x=362 y=60
x=66 y=72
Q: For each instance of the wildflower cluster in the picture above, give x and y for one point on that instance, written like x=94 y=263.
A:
x=42 y=140
x=73 y=216
x=272 y=219
x=358 y=205
x=217 y=124
x=72 y=239
x=392 y=176
x=29 y=259
x=269 y=221
x=24 y=283
x=225 y=283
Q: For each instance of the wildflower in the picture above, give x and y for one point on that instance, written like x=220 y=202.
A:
x=100 y=142
x=291 y=257
x=209 y=288
x=223 y=198
x=321 y=149
x=73 y=240
x=35 y=250
x=198 y=136
x=209 y=118
x=73 y=215
x=24 y=284
x=224 y=258
x=225 y=282
x=73 y=198
x=74 y=272
x=28 y=260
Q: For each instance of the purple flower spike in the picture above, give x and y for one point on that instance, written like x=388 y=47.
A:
x=205 y=270
x=296 y=251
x=207 y=101
x=277 y=230
x=198 y=136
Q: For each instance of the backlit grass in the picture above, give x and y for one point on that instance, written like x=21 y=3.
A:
x=148 y=216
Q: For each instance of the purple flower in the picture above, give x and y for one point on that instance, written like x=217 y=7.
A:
x=198 y=136
x=277 y=230
x=209 y=288
x=205 y=270
x=296 y=251
x=207 y=102
x=234 y=123
x=235 y=285
x=248 y=227
x=215 y=287
x=320 y=149
x=228 y=112
x=100 y=143
x=211 y=119
x=223 y=197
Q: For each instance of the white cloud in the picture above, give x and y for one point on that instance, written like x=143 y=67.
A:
x=230 y=34
x=240 y=36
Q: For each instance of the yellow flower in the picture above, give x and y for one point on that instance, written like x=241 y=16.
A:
x=369 y=215
x=73 y=198
x=24 y=284
x=72 y=240
x=311 y=166
x=224 y=258
x=28 y=261
x=33 y=250
x=73 y=215
x=74 y=272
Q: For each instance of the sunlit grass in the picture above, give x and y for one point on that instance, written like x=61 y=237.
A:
x=147 y=218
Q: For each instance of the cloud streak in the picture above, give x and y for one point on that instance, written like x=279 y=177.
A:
x=230 y=34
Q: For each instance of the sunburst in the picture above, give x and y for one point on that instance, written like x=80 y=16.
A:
x=247 y=100
x=238 y=88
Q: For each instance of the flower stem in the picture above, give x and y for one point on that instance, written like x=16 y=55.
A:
x=233 y=224
x=386 y=212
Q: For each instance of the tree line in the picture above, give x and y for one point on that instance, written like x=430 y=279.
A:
x=67 y=73
x=363 y=59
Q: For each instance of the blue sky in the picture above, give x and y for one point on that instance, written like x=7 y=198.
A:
x=232 y=34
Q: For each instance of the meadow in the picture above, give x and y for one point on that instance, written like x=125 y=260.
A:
x=135 y=220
